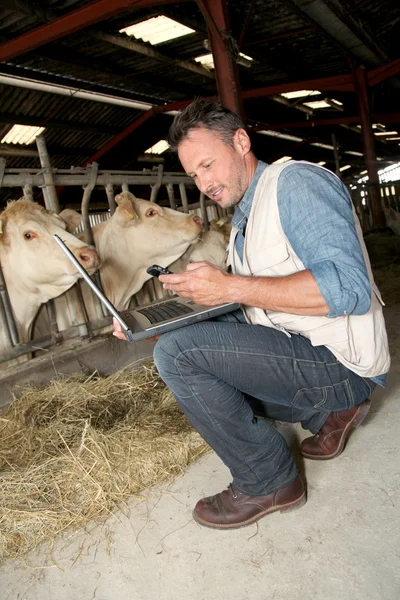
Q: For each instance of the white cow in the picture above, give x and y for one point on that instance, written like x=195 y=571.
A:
x=35 y=269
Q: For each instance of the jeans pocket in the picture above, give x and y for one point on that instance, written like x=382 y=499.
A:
x=329 y=398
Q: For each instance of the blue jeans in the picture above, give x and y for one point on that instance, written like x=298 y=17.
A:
x=218 y=369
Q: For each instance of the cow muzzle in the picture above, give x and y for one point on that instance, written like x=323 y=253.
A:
x=88 y=258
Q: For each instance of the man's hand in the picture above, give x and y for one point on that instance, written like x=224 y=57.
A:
x=119 y=333
x=202 y=282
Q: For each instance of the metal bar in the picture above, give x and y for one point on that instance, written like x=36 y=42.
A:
x=12 y=327
x=360 y=81
x=336 y=82
x=379 y=74
x=125 y=187
x=155 y=188
x=184 y=200
x=135 y=46
x=71 y=22
x=224 y=51
x=342 y=120
x=110 y=197
x=171 y=195
x=121 y=136
x=51 y=313
x=92 y=177
x=51 y=197
x=28 y=193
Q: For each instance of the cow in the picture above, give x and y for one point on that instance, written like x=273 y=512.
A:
x=35 y=269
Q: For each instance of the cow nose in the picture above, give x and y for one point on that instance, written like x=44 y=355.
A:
x=198 y=220
x=88 y=258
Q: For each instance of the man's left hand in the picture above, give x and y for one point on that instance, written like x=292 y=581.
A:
x=202 y=282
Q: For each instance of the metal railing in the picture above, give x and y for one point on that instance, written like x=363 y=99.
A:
x=90 y=178
x=361 y=196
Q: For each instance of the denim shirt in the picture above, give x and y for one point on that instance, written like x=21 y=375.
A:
x=316 y=215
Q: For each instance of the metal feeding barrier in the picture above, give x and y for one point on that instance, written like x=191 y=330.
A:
x=48 y=179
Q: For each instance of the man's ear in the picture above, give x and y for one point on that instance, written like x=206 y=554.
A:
x=126 y=209
x=242 y=141
x=71 y=218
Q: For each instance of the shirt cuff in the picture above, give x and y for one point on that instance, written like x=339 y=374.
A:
x=341 y=301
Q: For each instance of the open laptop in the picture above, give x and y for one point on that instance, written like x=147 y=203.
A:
x=156 y=318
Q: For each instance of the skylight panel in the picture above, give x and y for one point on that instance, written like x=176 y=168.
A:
x=22 y=134
x=158 y=148
x=157 y=30
x=300 y=94
x=317 y=104
x=345 y=167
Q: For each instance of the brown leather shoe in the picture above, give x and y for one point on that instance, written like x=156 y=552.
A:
x=231 y=509
x=329 y=442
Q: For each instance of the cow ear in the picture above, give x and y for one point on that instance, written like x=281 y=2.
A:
x=71 y=218
x=126 y=209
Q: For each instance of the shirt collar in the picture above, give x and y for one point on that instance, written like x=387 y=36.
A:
x=242 y=210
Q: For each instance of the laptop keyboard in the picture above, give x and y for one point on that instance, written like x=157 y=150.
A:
x=165 y=311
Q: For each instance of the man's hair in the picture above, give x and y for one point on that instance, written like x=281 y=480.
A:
x=209 y=114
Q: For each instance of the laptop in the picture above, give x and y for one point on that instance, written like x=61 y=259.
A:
x=155 y=318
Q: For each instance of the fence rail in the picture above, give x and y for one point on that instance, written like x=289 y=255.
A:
x=361 y=196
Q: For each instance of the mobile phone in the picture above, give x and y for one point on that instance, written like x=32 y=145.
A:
x=156 y=271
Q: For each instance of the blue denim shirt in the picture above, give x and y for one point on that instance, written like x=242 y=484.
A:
x=316 y=215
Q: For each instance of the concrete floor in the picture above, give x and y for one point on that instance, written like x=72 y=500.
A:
x=344 y=544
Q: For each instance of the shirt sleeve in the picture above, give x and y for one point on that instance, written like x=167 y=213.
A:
x=317 y=218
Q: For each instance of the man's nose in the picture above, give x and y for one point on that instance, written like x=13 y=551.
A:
x=205 y=183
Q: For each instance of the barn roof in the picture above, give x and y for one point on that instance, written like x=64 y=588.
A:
x=318 y=42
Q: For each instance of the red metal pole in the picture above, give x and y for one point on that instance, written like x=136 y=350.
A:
x=360 y=81
x=216 y=15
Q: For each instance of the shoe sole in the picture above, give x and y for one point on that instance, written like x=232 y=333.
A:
x=283 y=508
x=353 y=424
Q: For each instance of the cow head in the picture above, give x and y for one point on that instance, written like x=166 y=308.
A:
x=34 y=266
x=139 y=234
x=154 y=227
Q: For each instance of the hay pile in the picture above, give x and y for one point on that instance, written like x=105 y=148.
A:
x=72 y=451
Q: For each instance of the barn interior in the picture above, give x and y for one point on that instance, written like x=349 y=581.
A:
x=88 y=90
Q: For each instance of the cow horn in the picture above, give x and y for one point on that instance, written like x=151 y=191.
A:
x=124 y=196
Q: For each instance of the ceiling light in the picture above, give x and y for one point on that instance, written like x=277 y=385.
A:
x=22 y=134
x=354 y=153
x=345 y=168
x=157 y=30
x=317 y=104
x=364 y=172
x=158 y=148
x=283 y=136
x=336 y=102
x=282 y=160
x=393 y=139
x=322 y=163
x=300 y=94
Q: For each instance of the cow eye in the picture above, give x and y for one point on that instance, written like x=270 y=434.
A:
x=151 y=212
x=28 y=235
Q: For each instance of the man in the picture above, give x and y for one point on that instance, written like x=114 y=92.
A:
x=310 y=342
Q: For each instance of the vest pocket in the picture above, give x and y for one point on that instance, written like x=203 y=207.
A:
x=327 y=398
x=272 y=261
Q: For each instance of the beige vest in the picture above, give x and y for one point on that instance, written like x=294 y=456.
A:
x=359 y=342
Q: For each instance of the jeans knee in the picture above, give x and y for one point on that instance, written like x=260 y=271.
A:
x=165 y=352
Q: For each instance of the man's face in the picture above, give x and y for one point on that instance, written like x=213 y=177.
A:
x=219 y=170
